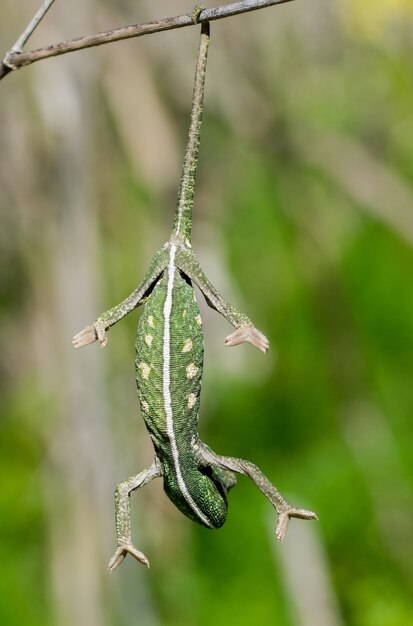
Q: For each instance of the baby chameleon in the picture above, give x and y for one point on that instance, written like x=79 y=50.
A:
x=169 y=362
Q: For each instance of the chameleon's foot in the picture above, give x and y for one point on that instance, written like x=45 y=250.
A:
x=122 y=551
x=248 y=334
x=90 y=334
x=284 y=519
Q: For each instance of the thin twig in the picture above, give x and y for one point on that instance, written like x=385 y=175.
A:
x=15 y=60
x=18 y=46
x=31 y=27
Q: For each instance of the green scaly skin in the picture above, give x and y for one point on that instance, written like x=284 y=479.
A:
x=169 y=363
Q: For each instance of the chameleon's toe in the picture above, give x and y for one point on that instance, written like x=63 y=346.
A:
x=250 y=334
x=284 y=519
x=86 y=336
x=120 y=554
x=90 y=334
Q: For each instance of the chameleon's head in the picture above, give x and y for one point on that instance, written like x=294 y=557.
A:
x=200 y=493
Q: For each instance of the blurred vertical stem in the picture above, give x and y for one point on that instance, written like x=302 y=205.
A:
x=79 y=488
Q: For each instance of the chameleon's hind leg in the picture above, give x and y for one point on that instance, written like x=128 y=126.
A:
x=284 y=510
x=97 y=330
x=122 y=515
x=245 y=331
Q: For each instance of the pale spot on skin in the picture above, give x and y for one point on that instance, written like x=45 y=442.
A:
x=145 y=406
x=187 y=345
x=148 y=340
x=145 y=369
x=150 y=321
x=198 y=320
x=184 y=313
x=191 y=370
x=191 y=400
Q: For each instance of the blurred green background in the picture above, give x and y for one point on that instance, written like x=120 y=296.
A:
x=303 y=218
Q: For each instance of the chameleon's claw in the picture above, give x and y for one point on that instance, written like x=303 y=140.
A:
x=90 y=334
x=284 y=519
x=122 y=551
x=248 y=334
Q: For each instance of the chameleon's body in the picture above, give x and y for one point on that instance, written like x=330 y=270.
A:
x=169 y=362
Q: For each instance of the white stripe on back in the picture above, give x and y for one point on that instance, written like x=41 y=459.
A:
x=166 y=388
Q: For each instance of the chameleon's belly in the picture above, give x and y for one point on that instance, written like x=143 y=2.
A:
x=169 y=360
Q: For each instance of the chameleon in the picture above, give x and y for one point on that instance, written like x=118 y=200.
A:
x=169 y=364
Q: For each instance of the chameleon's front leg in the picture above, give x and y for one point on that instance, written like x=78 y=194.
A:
x=122 y=515
x=284 y=510
x=245 y=330
x=97 y=330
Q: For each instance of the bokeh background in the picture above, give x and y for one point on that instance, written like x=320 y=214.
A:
x=303 y=218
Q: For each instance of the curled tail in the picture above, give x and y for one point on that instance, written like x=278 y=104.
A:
x=201 y=494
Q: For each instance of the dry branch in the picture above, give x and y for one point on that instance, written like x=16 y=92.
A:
x=15 y=59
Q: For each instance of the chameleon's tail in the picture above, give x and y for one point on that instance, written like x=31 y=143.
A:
x=183 y=214
x=201 y=494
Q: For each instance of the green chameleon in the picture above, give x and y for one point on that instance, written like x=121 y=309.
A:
x=169 y=363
